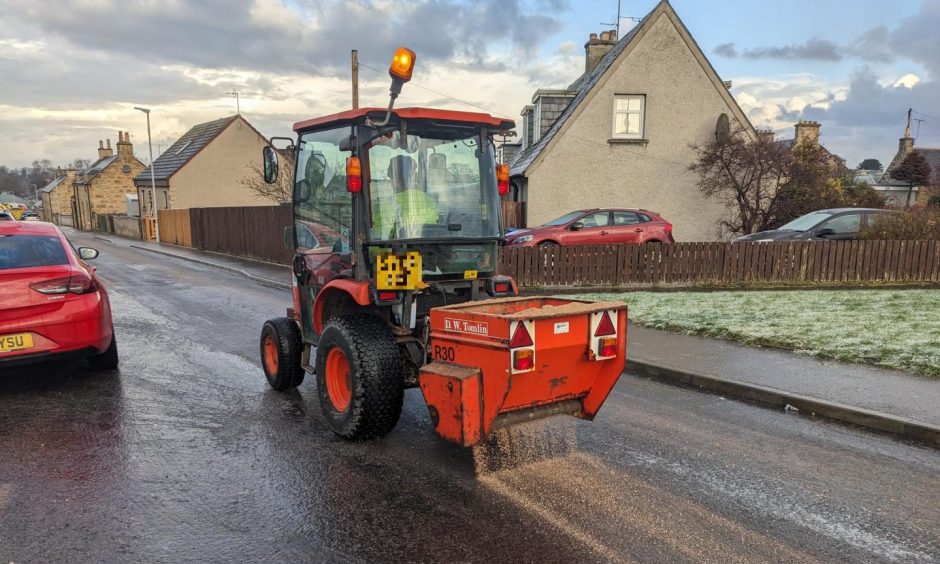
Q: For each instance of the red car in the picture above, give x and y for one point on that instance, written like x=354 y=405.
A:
x=597 y=227
x=52 y=305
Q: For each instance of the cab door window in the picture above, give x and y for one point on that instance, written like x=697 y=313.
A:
x=322 y=206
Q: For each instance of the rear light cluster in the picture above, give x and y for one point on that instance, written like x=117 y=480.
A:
x=353 y=175
x=502 y=179
x=604 y=340
x=522 y=345
x=387 y=297
x=78 y=283
x=500 y=286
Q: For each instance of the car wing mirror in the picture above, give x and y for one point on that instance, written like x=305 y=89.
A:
x=87 y=253
x=577 y=226
x=303 y=192
x=825 y=232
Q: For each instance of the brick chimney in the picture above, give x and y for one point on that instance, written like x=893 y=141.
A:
x=104 y=151
x=807 y=132
x=596 y=47
x=906 y=143
x=765 y=135
x=125 y=150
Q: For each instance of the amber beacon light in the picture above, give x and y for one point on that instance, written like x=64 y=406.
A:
x=403 y=64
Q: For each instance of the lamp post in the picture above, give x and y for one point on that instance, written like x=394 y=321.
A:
x=153 y=182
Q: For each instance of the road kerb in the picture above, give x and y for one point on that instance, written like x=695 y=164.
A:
x=225 y=267
x=901 y=426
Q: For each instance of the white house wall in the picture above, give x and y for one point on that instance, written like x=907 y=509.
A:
x=580 y=169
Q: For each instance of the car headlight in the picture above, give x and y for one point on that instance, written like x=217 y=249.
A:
x=523 y=239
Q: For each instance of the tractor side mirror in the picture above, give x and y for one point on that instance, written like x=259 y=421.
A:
x=577 y=226
x=87 y=253
x=825 y=232
x=289 y=237
x=269 y=158
x=303 y=192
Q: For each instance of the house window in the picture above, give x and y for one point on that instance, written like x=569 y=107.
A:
x=629 y=116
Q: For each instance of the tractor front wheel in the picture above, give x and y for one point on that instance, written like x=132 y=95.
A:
x=359 y=377
x=281 y=350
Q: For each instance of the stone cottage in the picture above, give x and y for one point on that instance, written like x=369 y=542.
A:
x=906 y=195
x=101 y=189
x=57 y=197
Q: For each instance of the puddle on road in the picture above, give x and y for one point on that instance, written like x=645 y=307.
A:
x=161 y=349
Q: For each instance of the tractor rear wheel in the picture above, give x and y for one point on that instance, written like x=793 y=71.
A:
x=281 y=351
x=359 y=377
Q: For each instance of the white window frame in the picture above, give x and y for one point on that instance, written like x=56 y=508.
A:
x=641 y=113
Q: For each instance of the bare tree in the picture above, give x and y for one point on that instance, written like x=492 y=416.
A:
x=80 y=164
x=746 y=176
x=281 y=191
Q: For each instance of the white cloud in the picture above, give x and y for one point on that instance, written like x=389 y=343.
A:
x=909 y=80
x=287 y=58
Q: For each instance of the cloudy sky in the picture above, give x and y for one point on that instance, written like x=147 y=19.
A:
x=72 y=71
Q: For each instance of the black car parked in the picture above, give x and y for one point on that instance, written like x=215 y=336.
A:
x=824 y=225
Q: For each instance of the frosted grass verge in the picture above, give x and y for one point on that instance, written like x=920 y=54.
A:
x=897 y=329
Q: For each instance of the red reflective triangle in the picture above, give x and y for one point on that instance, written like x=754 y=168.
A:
x=605 y=327
x=520 y=337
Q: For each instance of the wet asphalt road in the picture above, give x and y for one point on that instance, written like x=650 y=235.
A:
x=186 y=455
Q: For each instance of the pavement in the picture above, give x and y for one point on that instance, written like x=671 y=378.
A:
x=882 y=400
x=186 y=455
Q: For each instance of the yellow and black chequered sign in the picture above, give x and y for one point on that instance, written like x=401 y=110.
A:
x=398 y=272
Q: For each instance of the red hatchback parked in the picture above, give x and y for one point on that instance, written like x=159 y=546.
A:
x=52 y=306
x=597 y=227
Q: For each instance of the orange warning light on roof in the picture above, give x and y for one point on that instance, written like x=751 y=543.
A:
x=403 y=64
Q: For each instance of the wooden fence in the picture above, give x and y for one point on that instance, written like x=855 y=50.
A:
x=804 y=262
x=514 y=214
x=175 y=227
x=257 y=232
x=253 y=232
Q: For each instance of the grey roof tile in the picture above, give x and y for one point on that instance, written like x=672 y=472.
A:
x=185 y=148
x=933 y=159
x=52 y=185
x=85 y=175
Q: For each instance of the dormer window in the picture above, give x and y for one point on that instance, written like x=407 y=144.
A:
x=629 y=116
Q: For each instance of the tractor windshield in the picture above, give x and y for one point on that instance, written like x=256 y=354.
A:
x=435 y=185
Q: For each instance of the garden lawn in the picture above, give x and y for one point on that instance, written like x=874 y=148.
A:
x=897 y=329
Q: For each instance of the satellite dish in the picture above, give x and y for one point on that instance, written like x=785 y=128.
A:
x=723 y=128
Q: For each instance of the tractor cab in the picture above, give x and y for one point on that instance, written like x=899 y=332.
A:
x=396 y=219
x=410 y=208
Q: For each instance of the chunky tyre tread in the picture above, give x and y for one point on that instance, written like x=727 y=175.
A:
x=290 y=372
x=375 y=363
x=108 y=360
